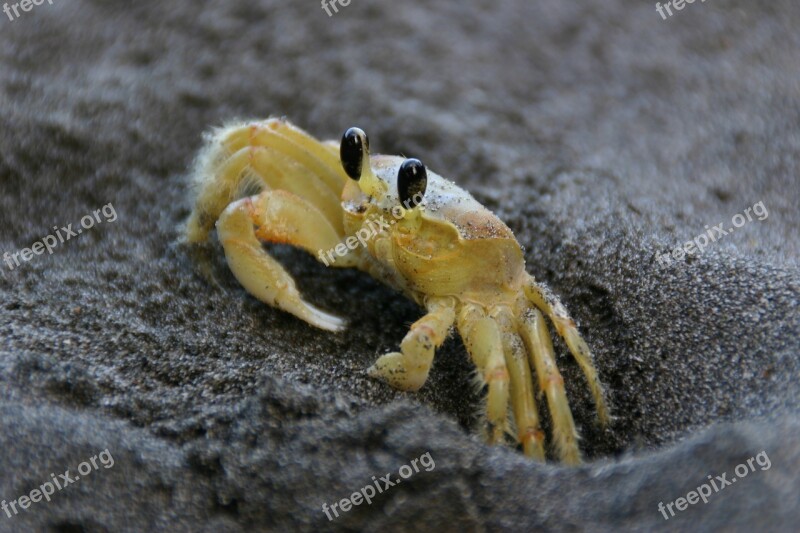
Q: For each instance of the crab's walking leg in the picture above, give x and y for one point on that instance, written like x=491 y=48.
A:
x=408 y=369
x=542 y=298
x=276 y=216
x=261 y=149
x=526 y=416
x=292 y=141
x=482 y=339
x=533 y=330
x=267 y=169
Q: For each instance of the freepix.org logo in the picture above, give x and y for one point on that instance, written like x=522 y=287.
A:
x=698 y=245
x=327 y=5
x=24 y=5
x=382 y=484
x=50 y=242
x=60 y=482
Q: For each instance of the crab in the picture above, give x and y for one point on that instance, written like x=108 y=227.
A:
x=415 y=231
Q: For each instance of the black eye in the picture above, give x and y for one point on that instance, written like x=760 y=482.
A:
x=412 y=179
x=354 y=145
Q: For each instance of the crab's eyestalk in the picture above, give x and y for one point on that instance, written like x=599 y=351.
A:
x=354 y=154
x=412 y=180
x=353 y=150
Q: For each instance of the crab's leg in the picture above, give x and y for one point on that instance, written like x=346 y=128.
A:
x=237 y=154
x=276 y=216
x=408 y=369
x=277 y=171
x=481 y=337
x=533 y=330
x=542 y=298
x=295 y=143
x=526 y=416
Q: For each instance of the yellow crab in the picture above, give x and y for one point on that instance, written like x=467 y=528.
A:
x=413 y=230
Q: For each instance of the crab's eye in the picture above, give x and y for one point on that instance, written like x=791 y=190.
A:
x=352 y=151
x=412 y=180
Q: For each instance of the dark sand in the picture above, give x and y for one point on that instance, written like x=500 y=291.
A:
x=600 y=133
